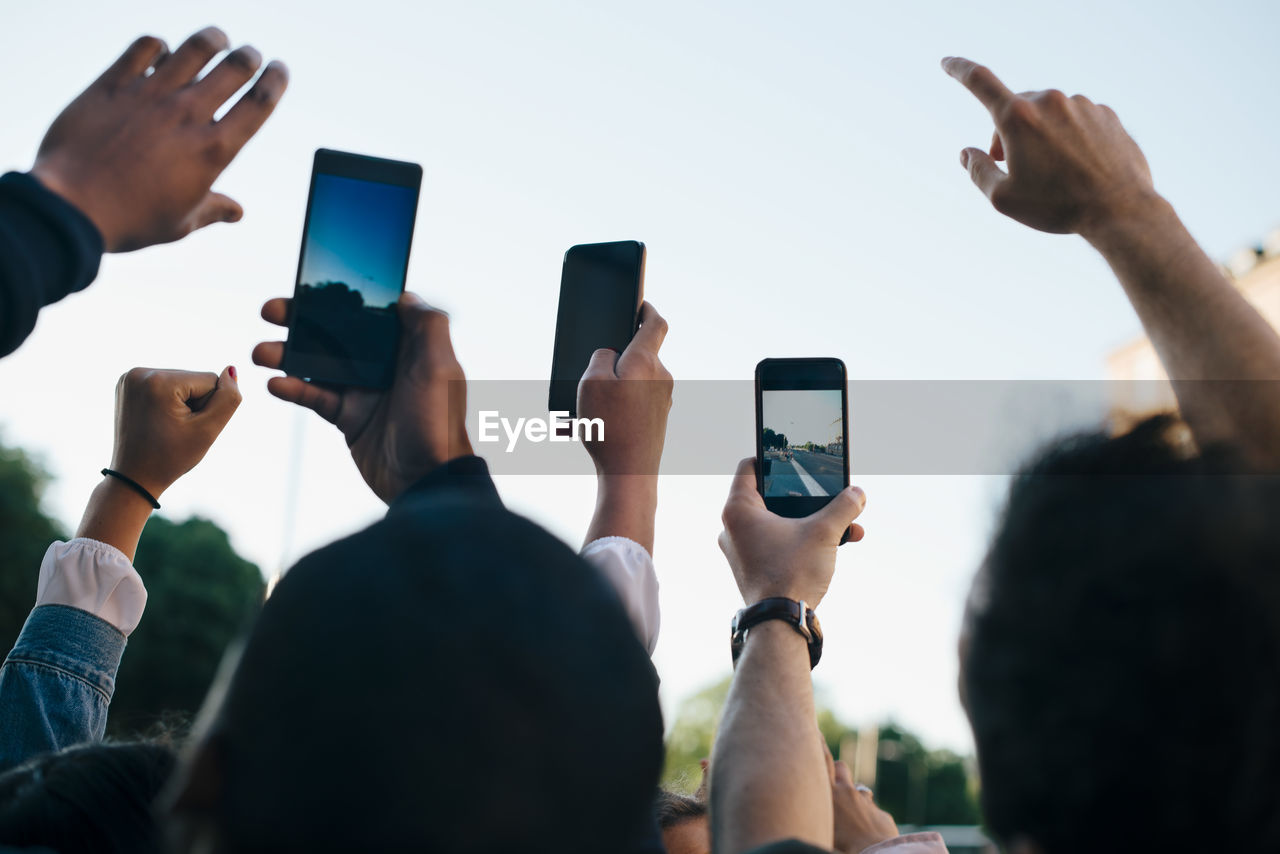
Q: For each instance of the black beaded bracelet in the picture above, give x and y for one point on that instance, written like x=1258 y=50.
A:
x=139 y=488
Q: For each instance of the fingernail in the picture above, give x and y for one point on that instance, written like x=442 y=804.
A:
x=964 y=157
x=231 y=369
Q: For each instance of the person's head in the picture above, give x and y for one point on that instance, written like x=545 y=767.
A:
x=683 y=822
x=441 y=681
x=94 y=797
x=1121 y=655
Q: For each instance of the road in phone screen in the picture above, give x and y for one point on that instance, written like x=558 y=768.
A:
x=803 y=442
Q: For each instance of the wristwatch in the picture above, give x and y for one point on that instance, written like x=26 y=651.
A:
x=796 y=614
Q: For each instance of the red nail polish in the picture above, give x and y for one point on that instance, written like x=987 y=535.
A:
x=231 y=369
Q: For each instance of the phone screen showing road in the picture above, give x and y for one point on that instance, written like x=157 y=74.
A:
x=803 y=442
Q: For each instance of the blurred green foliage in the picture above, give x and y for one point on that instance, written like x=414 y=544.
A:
x=200 y=594
x=917 y=786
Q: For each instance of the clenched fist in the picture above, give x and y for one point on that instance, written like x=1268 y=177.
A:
x=167 y=420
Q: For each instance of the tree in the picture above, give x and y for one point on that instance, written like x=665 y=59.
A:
x=25 y=533
x=692 y=735
x=915 y=785
x=770 y=439
x=200 y=593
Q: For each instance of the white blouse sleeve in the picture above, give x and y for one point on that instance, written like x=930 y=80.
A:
x=94 y=577
x=629 y=568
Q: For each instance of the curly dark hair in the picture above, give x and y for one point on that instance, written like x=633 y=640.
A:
x=671 y=808
x=92 y=797
x=1121 y=655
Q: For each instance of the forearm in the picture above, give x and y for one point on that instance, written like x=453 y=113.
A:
x=1221 y=355
x=115 y=515
x=768 y=773
x=626 y=505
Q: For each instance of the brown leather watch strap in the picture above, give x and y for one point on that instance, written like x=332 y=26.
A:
x=796 y=614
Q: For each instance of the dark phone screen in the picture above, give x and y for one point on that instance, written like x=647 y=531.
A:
x=803 y=433
x=355 y=254
x=599 y=298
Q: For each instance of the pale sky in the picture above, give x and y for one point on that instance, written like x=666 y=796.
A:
x=793 y=169
x=809 y=415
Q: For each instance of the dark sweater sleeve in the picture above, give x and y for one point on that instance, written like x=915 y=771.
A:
x=48 y=249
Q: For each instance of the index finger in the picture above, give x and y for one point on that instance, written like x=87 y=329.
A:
x=652 y=332
x=277 y=311
x=979 y=80
x=191 y=387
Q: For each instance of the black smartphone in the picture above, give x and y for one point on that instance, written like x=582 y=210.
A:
x=601 y=288
x=343 y=328
x=802 y=433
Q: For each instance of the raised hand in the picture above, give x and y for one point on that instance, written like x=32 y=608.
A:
x=138 y=151
x=774 y=556
x=1072 y=166
x=398 y=435
x=165 y=423
x=167 y=420
x=859 y=822
x=631 y=393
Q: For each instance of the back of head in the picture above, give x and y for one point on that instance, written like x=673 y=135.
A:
x=671 y=808
x=1121 y=659
x=94 y=797
x=452 y=679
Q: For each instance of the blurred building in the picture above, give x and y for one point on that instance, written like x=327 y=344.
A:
x=1140 y=386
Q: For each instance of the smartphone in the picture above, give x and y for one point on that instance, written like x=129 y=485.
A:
x=601 y=288
x=802 y=433
x=343 y=328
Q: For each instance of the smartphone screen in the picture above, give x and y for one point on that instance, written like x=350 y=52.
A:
x=343 y=327
x=802 y=433
x=601 y=288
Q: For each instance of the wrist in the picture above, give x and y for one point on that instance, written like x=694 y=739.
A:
x=151 y=484
x=752 y=595
x=777 y=637
x=1114 y=225
x=627 y=490
x=626 y=506
x=52 y=181
x=115 y=514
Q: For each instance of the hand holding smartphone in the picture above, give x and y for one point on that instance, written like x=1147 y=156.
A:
x=802 y=433
x=343 y=328
x=601 y=289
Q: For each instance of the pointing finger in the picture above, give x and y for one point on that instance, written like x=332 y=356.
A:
x=979 y=80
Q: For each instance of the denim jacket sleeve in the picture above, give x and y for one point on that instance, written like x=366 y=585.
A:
x=57 y=682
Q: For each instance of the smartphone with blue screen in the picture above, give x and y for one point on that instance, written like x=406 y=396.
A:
x=343 y=327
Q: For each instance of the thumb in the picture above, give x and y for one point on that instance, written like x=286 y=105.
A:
x=983 y=170
x=847 y=505
x=222 y=404
x=602 y=362
x=215 y=207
